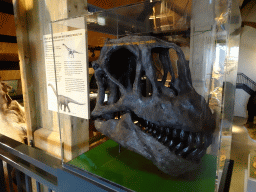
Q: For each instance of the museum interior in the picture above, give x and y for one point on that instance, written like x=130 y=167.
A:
x=131 y=95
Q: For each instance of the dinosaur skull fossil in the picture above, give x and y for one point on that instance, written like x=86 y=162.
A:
x=173 y=126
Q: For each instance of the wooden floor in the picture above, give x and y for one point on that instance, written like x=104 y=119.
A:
x=242 y=145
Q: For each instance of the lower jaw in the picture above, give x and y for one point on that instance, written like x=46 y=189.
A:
x=130 y=136
x=188 y=145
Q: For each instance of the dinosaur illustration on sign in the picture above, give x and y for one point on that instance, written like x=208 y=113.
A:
x=63 y=100
x=71 y=52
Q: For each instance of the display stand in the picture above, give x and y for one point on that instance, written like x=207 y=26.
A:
x=139 y=174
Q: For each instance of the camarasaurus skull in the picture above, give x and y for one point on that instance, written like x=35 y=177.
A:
x=172 y=126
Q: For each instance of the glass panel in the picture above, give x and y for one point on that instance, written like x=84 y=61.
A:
x=227 y=51
x=67 y=82
x=161 y=80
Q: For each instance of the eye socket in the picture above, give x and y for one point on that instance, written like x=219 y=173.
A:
x=122 y=66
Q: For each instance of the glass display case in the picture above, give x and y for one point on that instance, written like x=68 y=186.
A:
x=144 y=92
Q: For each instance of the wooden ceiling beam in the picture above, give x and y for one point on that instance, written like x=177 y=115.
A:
x=6 y=7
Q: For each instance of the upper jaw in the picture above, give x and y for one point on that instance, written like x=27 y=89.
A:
x=189 y=115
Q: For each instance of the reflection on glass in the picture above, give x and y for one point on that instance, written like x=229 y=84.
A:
x=212 y=60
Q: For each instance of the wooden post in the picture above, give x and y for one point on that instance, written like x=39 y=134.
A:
x=32 y=18
x=25 y=65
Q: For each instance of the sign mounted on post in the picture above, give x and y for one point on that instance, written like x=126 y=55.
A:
x=67 y=73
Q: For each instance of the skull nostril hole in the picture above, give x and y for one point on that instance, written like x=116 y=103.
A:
x=164 y=64
x=157 y=64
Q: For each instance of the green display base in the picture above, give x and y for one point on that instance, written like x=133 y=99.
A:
x=135 y=172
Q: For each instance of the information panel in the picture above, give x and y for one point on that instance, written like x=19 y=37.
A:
x=66 y=73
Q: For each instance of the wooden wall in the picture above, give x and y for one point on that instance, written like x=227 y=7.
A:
x=9 y=60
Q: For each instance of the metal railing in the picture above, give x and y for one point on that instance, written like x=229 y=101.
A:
x=28 y=169
x=245 y=83
x=22 y=167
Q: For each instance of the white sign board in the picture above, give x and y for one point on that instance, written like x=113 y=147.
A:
x=66 y=73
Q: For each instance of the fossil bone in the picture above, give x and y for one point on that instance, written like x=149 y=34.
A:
x=173 y=126
x=12 y=116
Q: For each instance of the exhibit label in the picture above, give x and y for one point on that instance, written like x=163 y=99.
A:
x=67 y=73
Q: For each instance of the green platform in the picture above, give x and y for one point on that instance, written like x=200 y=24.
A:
x=133 y=171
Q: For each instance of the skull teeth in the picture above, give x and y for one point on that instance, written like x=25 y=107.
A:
x=189 y=145
x=164 y=140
